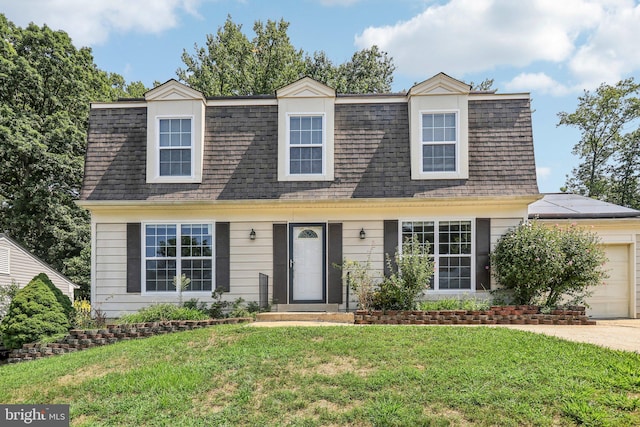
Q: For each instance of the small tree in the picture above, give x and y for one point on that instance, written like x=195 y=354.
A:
x=361 y=280
x=401 y=290
x=64 y=300
x=545 y=265
x=33 y=314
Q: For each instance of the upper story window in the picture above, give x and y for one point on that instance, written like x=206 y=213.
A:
x=439 y=129
x=306 y=113
x=176 y=146
x=306 y=144
x=439 y=142
x=175 y=134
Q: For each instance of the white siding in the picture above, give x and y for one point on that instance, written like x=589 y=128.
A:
x=355 y=249
x=23 y=266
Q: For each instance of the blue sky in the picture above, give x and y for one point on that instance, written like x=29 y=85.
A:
x=552 y=49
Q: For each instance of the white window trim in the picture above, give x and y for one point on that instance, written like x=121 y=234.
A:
x=172 y=178
x=5 y=254
x=441 y=174
x=178 y=224
x=436 y=273
x=289 y=146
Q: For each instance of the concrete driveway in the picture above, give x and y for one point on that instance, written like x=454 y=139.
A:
x=618 y=334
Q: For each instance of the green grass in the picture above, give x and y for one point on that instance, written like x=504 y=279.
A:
x=363 y=376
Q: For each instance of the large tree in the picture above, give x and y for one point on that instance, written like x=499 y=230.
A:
x=608 y=147
x=46 y=85
x=231 y=64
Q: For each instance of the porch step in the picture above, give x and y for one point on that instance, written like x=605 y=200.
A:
x=329 y=308
x=306 y=316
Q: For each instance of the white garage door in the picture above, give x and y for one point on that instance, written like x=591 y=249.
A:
x=612 y=298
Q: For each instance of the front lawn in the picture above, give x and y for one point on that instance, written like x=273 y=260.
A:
x=374 y=375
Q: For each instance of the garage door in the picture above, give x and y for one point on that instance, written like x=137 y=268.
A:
x=612 y=298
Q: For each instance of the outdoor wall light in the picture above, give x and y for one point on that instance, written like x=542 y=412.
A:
x=252 y=234
x=363 y=234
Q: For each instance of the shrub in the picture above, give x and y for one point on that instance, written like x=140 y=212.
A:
x=64 y=300
x=34 y=314
x=401 y=290
x=361 y=281
x=163 y=312
x=546 y=265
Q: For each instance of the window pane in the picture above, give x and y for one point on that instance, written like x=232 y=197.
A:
x=316 y=137
x=450 y=120
x=316 y=123
x=294 y=123
x=438 y=158
x=305 y=138
x=294 y=137
x=305 y=123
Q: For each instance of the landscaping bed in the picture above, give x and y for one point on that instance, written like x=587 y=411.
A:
x=82 y=339
x=500 y=315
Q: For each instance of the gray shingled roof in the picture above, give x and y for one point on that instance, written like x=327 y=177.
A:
x=372 y=157
x=574 y=206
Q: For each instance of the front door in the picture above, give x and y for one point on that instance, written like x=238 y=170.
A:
x=307 y=263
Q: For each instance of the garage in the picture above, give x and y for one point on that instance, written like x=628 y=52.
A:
x=619 y=230
x=612 y=299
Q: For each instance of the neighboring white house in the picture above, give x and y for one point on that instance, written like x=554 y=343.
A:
x=619 y=230
x=18 y=265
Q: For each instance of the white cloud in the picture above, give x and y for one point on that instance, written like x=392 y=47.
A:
x=91 y=22
x=543 y=172
x=594 y=40
x=539 y=82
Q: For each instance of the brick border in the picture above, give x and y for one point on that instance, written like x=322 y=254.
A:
x=82 y=339
x=498 y=315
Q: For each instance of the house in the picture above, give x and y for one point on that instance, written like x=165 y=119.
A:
x=262 y=195
x=18 y=265
x=619 y=230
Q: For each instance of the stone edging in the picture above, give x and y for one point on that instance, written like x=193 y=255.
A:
x=81 y=339
x=501 y=315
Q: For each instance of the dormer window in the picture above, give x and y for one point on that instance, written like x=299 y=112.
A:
x=176 y=146
x=306 y=131
x=439 y=142
x=175 y=134
x=306 y=144
x=439 y=129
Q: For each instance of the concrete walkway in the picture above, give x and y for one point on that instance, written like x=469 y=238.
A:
x=619 y=334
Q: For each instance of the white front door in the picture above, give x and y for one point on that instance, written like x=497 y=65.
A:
x=307 y=263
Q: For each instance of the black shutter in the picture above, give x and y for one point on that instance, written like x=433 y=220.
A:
x=335 y=259
x=222 y=257
x=134 y=261
x=390 y=245
x=483 y=247
x=280 y=264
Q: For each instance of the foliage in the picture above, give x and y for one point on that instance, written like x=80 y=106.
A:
x=82 y=318
x=78 y=270
x=362 y=280
x=454 y=304
x=181 y=283
x=484 y=86
x=7 y=293
x=338 y=376
x=46 y=85
x=34 y=313
x=63 y=300
x=608 y=148
x=162 y=312
x=401 y=290
x=230 y=64
x=546 y=265
x=218 y=306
